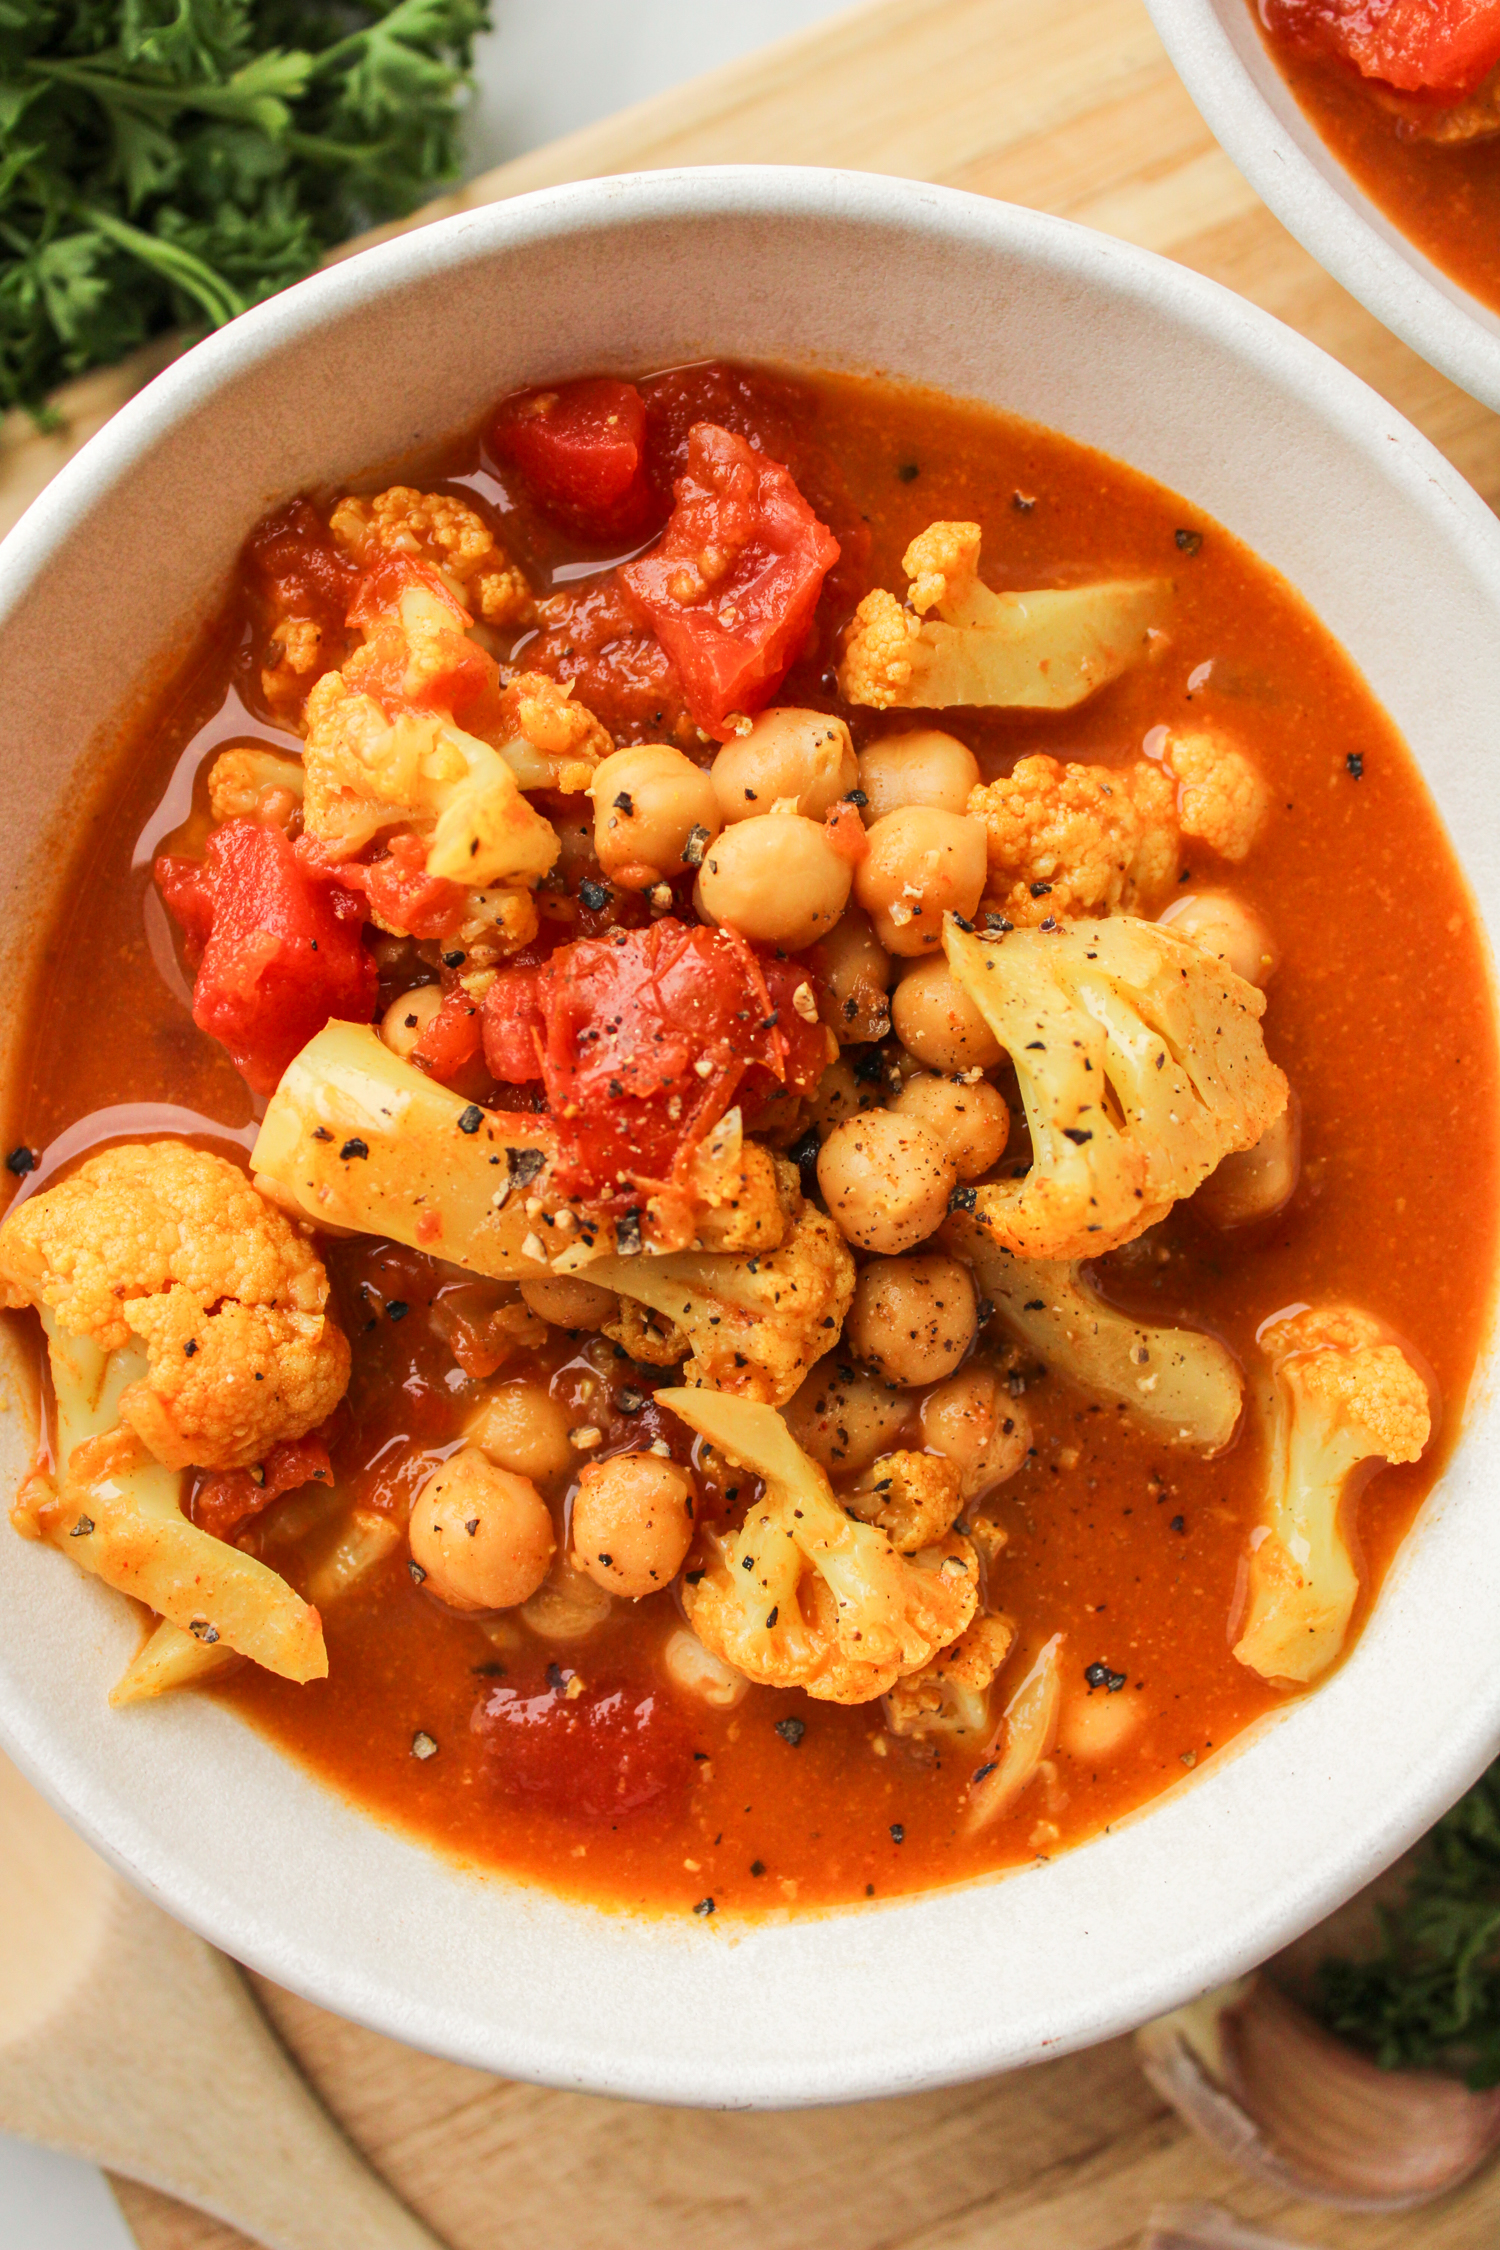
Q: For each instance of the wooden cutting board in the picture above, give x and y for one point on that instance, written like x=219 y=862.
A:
x=1069 y=106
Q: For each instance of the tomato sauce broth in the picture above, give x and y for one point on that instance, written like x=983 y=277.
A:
x=1444 y=199
x=1380 y=1012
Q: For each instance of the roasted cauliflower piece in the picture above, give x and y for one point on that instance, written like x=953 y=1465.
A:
x=1180 y=1384
x=913 y=1498
x=1343 y=1398
x=1222 y=795
x=1071 y=840
x=368 y=775
x=753 y=1324
x=186 y=1324
x=249 y=783
x=955 y=641
x=548 y=740
x=803 y=1595
x=951 y=1694
x=160 y=1242
x=1141 y=1064
x=445 y=533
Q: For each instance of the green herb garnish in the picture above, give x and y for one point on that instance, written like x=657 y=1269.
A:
x=1431 y=1996
x=166 y=163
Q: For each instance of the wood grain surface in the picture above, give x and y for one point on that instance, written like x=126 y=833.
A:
x=1069 y=106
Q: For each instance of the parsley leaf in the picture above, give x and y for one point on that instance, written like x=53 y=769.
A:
x=166 y=163
x=1431 y=1995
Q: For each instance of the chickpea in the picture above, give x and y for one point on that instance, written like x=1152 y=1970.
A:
x=922 y=864
x=912 y=1319
x=1226 y=927
x=844 y=1420
x=405 y=1020
x=483 y=1537
x=853 y=971
x=566 y=1606
x=1255 y=1183
x=778 y=881
x=839 y=1094
x=972 y=1122
x=648 y=802
x=924 y=767
x=632 y=1523
x=886 y=1181
x=787 y=753
x=936 y=1021
x=973 y=1420
x=567 y=1303
x=521 y=1426
x=698 y=1671
x=1099 y=1721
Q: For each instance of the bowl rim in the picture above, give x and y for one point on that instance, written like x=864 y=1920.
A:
x=1208 y=1955
x=1257 y=121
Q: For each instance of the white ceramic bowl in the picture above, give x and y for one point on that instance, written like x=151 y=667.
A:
x=1251 y=111
x=112 y=567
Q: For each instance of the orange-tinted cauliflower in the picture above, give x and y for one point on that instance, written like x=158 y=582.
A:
x=548 y=740
x=1222 y=795
x=912 y=1497
x=754 y=1324
x=164 y=1243
x=955 y=641
x=419 y=773
x=951 y=1694
x=1067 y=840
x=445 y=533
x=1343 y=1397
x=803 y=1595
x=1141 y=1064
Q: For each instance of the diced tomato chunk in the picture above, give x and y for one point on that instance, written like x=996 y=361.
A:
x=452 y=1038
x=402 y=896
x=302 y=573
x=731 y=586
x=226 y=1501
x=642 y=1040
x=446 y=671
x=281 y=951
x=603 y=1753
x=1443 y=47
x=581 y=449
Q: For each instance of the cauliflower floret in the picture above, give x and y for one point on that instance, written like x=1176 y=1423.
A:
x=437 y=529
x=1222 y=794
x=951 y=1694
x=1343 y=1398
x=1178 y=1383
x=254 y=784
x=753 y=1324
x=1141 y=1063
x=1044 y=650
x=912 y=1497
x=804 y=1596
x=1068 y=840
x=420 y=773
x=548 y=740
x=165 y=1243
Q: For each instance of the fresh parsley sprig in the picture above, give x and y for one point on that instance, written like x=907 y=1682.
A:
x=166 y=163
x=1431 y=1996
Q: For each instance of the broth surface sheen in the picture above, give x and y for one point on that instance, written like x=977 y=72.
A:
x=1380 y=1012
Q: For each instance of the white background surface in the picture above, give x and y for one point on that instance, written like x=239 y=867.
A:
x=549 y=67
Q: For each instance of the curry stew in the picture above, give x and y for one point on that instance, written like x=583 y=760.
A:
x=814 y=1179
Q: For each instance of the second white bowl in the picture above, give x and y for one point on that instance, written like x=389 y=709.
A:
x=1254 y=115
